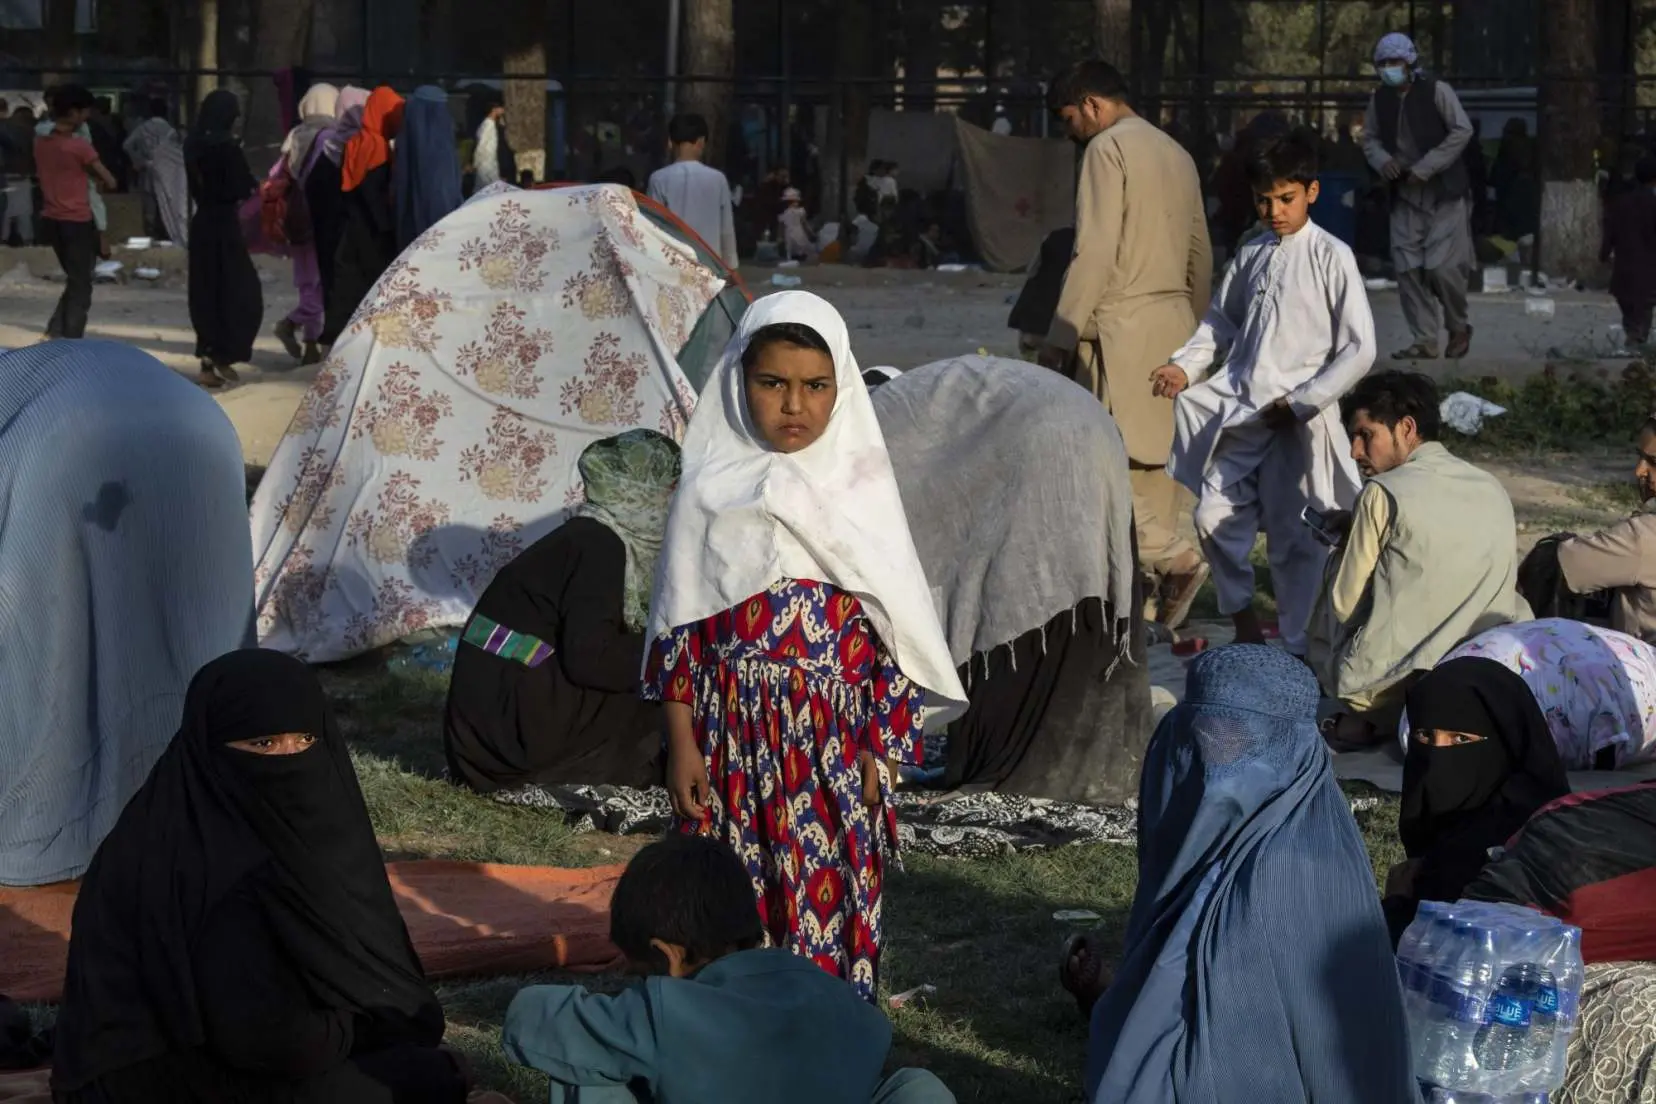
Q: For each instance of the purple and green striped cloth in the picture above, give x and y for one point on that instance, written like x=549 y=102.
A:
x=497 y=639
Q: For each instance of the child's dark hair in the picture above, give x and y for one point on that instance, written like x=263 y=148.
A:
x=1389 y=397
x=691 y=891
x=1645 y=171
x=685 y=129
x=1091 y=77
x=1283 y=157
x=66 y=99
x=783 y=333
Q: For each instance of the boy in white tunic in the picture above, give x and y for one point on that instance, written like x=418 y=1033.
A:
x=1260 y=440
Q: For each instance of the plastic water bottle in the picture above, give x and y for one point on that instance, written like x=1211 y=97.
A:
x=1427 y=957
x=1415 y=948
x=1503 y=1045
x=1461 y=997
x=1557 y=1006
x=1427 y=1017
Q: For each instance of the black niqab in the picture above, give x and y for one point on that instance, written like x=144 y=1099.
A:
x=1460 y=801
x=210 y=820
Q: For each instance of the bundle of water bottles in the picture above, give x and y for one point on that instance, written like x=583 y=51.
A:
x=1490 y=992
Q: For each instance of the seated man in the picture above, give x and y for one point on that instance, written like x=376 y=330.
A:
x=1427 y=558
x=717 y=1016
x=1621 y=559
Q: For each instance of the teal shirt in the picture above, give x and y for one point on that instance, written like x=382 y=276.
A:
x=754 y=1027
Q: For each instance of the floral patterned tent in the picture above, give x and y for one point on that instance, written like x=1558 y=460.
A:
x=440 y=437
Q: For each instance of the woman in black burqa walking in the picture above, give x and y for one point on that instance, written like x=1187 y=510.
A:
x=226 y=301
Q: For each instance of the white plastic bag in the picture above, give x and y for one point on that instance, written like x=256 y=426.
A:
x=1464 y=413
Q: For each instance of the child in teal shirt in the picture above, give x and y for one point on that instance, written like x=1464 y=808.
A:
x=717 y=1017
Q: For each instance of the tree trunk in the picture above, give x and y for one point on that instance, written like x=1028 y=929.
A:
x=710 y=51
x=1113 y=32
x=59 y=26
x=846 y=152
x=207 y=54
x=1569 y=131
x=281 y=39
x=526 y=99
x=922 y=53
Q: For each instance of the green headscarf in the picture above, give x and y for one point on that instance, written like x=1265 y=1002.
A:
x=629 y=485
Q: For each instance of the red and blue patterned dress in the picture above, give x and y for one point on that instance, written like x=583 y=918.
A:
x=786 y=691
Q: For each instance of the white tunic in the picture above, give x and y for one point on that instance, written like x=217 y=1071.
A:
x=700 y=195
x=1294 y=316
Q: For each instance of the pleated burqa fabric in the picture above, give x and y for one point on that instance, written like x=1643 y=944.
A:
x=1256 y=969
x=125 y=565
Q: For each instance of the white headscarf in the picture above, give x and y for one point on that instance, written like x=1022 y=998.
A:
x=1396 y=45
x=746 y=516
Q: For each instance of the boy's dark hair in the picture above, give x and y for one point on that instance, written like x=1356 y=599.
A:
x=158 y=108
x=691 y=891
x=68 y=98
x=1091 y=77
x=783 y=333
x=1283 y=157
x=620 y=174
x=1645 y=171
x=685 y=129
x=1389 y=397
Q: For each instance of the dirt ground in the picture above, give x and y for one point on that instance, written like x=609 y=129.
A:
x=902 y=319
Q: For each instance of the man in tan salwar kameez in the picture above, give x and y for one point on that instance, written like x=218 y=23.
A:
x=1139 y=280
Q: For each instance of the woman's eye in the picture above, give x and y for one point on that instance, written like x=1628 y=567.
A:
x=818 y=385
x=264 y=744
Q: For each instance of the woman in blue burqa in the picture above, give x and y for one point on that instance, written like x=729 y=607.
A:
x=125 y=564
x=426 y=171
x=1257 y=967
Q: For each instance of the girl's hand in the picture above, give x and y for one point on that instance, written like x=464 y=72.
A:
x=871 y=795
x=687 y=785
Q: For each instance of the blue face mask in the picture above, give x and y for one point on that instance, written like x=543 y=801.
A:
x=1393 y=75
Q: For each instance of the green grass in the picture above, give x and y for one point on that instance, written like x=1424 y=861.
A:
x=982 y=931
x=1559 y=411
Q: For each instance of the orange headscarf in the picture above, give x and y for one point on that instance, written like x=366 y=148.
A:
x=370 y=147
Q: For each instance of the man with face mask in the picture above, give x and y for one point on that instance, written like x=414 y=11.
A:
x=1414 y=134
x=1428 y=557
x=1139 y=280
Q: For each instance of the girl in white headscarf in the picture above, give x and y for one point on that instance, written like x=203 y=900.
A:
x=796 y=643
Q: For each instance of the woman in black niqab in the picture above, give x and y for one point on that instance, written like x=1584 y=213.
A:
x=1480 y=762
x=235 y=937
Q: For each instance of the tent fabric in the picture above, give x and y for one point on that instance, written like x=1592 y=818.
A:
x=1018 y=190
x=921 y=142
x=466 y=920
x=440 y=437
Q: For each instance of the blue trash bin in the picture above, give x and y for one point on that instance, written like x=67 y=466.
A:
x=1336 y=206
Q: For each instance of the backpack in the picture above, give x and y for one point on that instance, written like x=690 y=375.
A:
x=284 y=217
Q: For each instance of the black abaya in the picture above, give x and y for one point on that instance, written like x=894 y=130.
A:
x=367 y=246
x=1460 y=800
x=577 y=718
x=1047 y=721
x=326 y=204
x=235 y=938
x=226 y=300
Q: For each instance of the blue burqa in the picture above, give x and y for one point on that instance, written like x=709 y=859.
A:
x=425 y=174
x=1257 y=969
x=125 y=565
